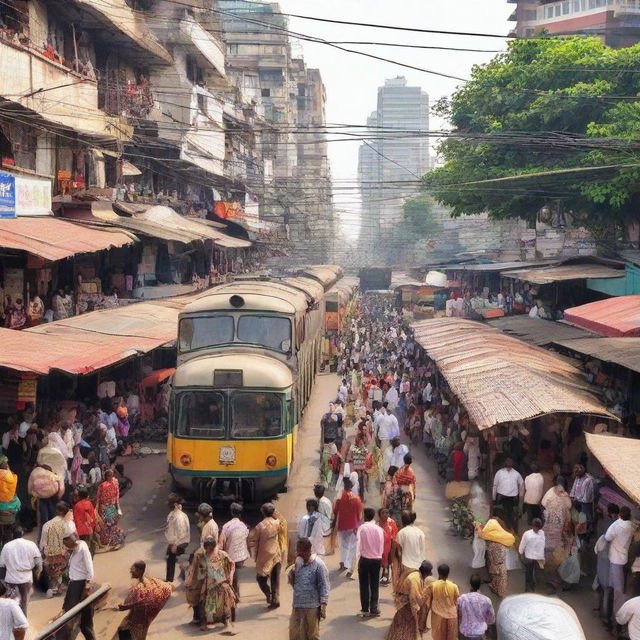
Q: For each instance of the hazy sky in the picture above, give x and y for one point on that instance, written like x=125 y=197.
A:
x=352 y=80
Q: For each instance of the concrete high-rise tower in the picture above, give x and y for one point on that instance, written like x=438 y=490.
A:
x=392 y=160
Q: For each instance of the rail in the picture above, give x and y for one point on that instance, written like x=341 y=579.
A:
x=52 y=629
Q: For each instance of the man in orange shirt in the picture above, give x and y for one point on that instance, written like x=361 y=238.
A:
x=84 y=516
x=347 y=515
x=441 y=597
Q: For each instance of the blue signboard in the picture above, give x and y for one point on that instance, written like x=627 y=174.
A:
x=7 y=196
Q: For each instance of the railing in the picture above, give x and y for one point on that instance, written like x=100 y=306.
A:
x=129 y=100
x=56 y=628
x=565 y=9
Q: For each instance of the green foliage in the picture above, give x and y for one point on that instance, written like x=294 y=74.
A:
x=547 y=104
x=461 y=519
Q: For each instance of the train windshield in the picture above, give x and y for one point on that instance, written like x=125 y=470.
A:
x=267 y=331
x=256 y=415
x=197 y=333
x=201 y=415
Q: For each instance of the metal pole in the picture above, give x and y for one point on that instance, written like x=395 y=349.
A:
x=56 y=625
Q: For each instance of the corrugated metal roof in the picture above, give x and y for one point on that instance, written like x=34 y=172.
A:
x=561 y=273
x=614 y=317
x=55 y=239
x=500 y=379
x=622 y=351
x=497 y=266
x=619 y=458
x=537 y=330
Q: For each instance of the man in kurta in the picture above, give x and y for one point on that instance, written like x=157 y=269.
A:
x=441 y=597
x=145 y=600
x=266 y=544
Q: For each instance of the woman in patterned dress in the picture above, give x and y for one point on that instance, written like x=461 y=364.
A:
x=108 y=508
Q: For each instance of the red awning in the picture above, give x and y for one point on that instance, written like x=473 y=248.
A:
x=614 y=317
x=54 y=239
x=156 y=377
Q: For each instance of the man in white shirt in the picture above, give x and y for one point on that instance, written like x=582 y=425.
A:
x=21 y=558
x=394 y=456
x=391 y=398
x=13 y=623
x=533 y=492
x=233 y=541
x=393 y=426
x=619 y=536
x=507 y=487
x=325 y=507
x=411 y=542
x=427 y=393
x=629 y=614
x=382 y=429
x=80 y=577
x=177 y=534
x=532 y=551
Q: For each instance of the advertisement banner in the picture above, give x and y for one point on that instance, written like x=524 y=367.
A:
x=7 y=196
x=33 y=196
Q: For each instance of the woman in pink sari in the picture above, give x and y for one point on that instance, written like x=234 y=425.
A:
x=108 y=508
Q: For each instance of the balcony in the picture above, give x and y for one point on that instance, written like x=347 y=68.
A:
x=60 y=95
x=129 y=100
x=626 y=8
x=197 y=41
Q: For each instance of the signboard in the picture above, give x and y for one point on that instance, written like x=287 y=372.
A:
x=7 y=196
x=27 y=388
x=20 y=196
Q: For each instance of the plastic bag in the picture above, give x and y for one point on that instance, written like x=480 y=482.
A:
x=479 y=547
x=569 y=569
x=534 y=617
x=513 y=560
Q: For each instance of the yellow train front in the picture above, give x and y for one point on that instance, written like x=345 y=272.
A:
x=233 y=427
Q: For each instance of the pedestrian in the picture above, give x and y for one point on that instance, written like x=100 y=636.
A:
x=108 y=508
x=394 y=455
x=84 y=516
x=54 y=552
x=13 y=622
x=218 y=600
x=498 y=542
x=370 y=549
x=347 y=515
x=22 y=561
x=531 y=549
x=406 y=481
x=331 y=427
x=47 y=487
x=410 y=619
x=629 y=614
x=207 y=525
x=601 y=549
x=619 y=536
x=264 y=542
x=475 y=612
x=533 y=492
x=507 y=487
x=325 y=508
x=310 y=581
x=146 y=598
x=441 y=598
x=233 y=541
x=392 y=495
x=410 y=544
x=581 y=494
x=390 y=531
x=80 y=578
x=311 y=526
x=177 y=533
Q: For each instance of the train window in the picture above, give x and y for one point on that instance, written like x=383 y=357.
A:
x=331 y=307
x=268 y=331
x=256 y=415
x=200 y=415
x=196 y=333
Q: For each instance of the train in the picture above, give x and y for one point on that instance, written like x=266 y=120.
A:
x=248 y=353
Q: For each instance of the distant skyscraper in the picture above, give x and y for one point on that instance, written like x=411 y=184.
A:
x=391 y=159
x=615 y=22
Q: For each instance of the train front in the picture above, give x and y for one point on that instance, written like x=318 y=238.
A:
x=231 y=427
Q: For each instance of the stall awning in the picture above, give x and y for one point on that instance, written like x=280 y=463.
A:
x=614 y=317
x=500 y=379
x=537 y=330
x=564 y=273
x=622 y=351
x=54 y=239
x=619 y=458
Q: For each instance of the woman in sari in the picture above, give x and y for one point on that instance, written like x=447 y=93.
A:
x=406 y=482
x=557 y=514
x=498 y=542
x=108 y=508
x=390 y=530
x=218 y=599
x=410 y=620
x=392 y=495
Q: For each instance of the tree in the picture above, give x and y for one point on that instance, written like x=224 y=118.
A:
x=544 y=106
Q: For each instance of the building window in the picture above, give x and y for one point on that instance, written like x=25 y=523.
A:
x=549 y=12
x=530 y=15
x=566 y=8
x=232 y=49
x=265 y=93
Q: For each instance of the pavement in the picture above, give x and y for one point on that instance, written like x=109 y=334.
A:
x=144 y=508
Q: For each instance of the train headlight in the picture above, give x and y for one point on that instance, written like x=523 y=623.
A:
x=271 y=461
x=186 y=459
